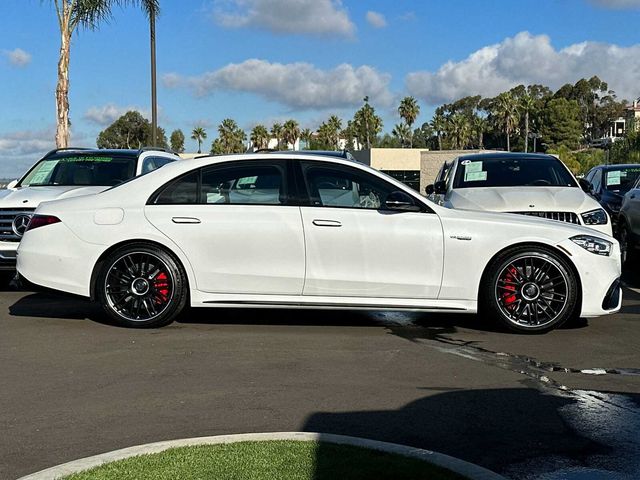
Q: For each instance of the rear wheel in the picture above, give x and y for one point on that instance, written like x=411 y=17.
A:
x=530 y=290
x=627 y=246
x=141 y=286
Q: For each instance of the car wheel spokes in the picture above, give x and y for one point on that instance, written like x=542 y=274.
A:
x=531 y=291
x=139 y=286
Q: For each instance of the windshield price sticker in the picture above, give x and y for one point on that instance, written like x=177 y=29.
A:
x=475 y=176
x=471 y=167
x=42 y=175
x=613 y=177
x=87 y=159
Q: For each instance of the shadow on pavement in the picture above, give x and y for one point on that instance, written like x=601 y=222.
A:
x=497 y=429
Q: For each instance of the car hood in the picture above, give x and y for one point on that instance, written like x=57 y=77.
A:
x=31 y=197
x=522 y=199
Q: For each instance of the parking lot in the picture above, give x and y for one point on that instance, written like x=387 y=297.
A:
x=525 y=406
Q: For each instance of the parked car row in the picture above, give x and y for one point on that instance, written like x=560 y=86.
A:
x=308 y=231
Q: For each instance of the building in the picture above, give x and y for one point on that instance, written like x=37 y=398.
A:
x=414 y=167
x=632 y=115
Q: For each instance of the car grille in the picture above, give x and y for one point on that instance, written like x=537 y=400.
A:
x=7 y=215
x=568 y=217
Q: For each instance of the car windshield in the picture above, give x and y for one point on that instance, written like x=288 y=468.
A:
x=621 y=179
x=512 y=172
x=87 y=170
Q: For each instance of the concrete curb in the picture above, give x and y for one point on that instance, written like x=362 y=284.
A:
x=461 y=467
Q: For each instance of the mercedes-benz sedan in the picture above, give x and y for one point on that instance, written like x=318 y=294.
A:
x=301 y=231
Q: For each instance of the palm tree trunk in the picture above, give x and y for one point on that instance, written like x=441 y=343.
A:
x=62 y=91
x=439 y=141
x=526 y=132
x=508 y=140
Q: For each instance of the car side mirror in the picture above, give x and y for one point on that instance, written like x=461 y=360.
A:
x=585 y=185
x=440 y=187
x=402 y=202
x=429 y=189
x=12 y=185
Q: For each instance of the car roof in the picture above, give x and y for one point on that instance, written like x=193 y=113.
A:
x=103 y=152
x=325 y=153
x=506 y=155
x=618 y=166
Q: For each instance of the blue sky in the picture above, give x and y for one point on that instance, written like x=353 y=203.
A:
x=259 y=61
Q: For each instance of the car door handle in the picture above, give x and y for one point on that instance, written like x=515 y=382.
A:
x=185 y=220
x=327 y=223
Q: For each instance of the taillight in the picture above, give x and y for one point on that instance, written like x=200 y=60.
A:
x=41 y=221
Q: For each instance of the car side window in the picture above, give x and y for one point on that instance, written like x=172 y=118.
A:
x=150 y=164
x=343 y=187
x=597 y=181
x=183 y=190
x=589 y=175
x=243 y=185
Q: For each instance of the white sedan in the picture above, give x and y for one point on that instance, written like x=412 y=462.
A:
x=265 y=230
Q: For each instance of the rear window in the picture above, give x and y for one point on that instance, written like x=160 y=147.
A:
x=81 y=170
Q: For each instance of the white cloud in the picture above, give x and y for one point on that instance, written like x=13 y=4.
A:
x=617 y=4
x=18 y=57
x=21 y=149
x=527 y=59
x=376 y=19
x=297 y=85
x=109 y=113
x=312 y=17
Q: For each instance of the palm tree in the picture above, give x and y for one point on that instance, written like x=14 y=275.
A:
x=409 y=111
x=459 y=129
x=439 y=124
x=402 y=132
x=479 y=127
x=290 y=133
x=527 y=104
x=259 y=137
x=276 y=132
x=306 y=135
x=231 y=136
x=334 y=124
x=199 y=134
x=87 y=14
x=506 y=114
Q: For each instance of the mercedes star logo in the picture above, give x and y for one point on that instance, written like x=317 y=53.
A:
x=19 y=225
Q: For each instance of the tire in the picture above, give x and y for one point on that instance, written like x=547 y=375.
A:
x=141 y=286
x=529 y=289
x=628 y=252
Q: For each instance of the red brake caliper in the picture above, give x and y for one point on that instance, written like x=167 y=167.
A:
x=161 y=283
x=508 y=297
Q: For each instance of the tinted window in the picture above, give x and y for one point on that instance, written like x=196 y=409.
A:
x=333 y=187
x=77 y=169
x=512 y=172
x=184 y=190
x=597 y=181
x=150 y=164
x=253 y=185
x=621 y=179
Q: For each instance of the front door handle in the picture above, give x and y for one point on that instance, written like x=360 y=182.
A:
x=327 y=223
x=185 y=220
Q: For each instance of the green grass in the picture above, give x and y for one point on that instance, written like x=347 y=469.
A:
x=272 y=460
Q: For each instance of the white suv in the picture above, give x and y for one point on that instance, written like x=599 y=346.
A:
x=64 y=173
x=529 y=184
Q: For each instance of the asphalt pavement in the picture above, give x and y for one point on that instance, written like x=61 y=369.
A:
x=565 y=405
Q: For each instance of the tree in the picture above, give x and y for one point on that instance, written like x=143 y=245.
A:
x=290 y=133
x=562 y=125
x=131 y=130
x=87 y=14
x=505 y=114
x=402 y=132
x=230 y=137
x=479 y=126
x=276 y=132
x=459 y=131
x=306 y=135
x=367 y=125
x=527 y=104
x=439 y=124
x=334 y=125
x=259 y=137
x=177 y=141
x=409 y=111
x=199 y=134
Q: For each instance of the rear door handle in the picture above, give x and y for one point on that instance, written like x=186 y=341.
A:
x=185 y=220
x=327 y=223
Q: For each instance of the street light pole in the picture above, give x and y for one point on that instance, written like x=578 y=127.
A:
x=154 y=98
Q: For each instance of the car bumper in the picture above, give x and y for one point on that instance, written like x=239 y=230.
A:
x=8 y=255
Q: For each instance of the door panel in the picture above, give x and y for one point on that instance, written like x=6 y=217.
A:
x=372 y=253
x=237 y=248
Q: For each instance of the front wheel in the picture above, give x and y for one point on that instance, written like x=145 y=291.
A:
x=627 y=247
x=530 y=290
x=141 y=286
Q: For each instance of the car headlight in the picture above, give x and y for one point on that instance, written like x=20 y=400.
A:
x=594 y=217
x=596 y=245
